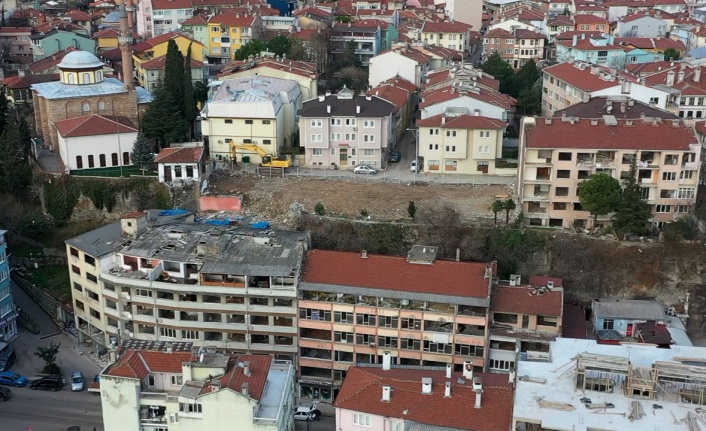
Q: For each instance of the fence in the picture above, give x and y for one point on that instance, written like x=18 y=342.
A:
x=47 y=302
x=126 y=171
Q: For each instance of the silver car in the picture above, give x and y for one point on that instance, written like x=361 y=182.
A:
x=76 y=381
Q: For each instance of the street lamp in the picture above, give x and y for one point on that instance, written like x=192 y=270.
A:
x=415 y=132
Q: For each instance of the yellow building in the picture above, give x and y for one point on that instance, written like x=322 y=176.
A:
x=225 y=33
x=157 y=47
x=106 y=39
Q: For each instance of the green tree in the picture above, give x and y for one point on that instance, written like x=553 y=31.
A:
x=632 y=213
x=280 y=45
x=174 y=74
x=671 y=54
x=15 y=172
x=355 y=78
x=528 y=75
x=200 y=93
x=4 y=110
x=163 y=119
x=48 y=355
x=509 y=205
x=411 y=210
x=501 y=71
x=189 y=103
x=599 y=195
x=25 y=136
x=530 y=100
x=142 y=154
x=319 y=209
x=253 y=48
x=497 y=207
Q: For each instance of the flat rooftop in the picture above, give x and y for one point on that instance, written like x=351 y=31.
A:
x=273 y=396
x=559 y=387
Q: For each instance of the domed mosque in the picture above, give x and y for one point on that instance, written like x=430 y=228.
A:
x=84 y=90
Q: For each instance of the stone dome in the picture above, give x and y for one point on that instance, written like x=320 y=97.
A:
x=80 y=60
x=112 y=17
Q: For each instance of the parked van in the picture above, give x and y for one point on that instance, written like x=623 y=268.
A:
x=7 y=359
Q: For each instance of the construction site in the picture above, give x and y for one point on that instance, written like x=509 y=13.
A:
x=613 y=388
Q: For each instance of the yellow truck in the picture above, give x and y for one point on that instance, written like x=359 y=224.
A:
x=267 y=159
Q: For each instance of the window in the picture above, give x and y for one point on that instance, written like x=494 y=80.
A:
x=686 y=175
x=102 y=160
x=313 y=314
x=167 y=332
x=686 y=193
x=388 y=322
x=566 y=157
x=143 y=292
x=343 y=317
x=101 y=106
x=563 y=173
x=188 y=407
x=333 y=151
x=387 y=342
x=368 y=138
x=483 y=149
x=86 y=107
x=546 y=321
x=317 y=138
x=343 y=337
x=365 y=339
x=316 y=123
x=79 y=162
x=190 y=335
x=485 y=133
x=248 y=121
x=370 y=124
x=114 y=159
x=91 y=164
x=361 y=419
x=150 y=380
x=78 y=287
x=228 y=121
x=335 y=121
x=177 y=171
x=559 y=206
x=368 y=153
x=86 y=77
x=126 y=158
x=561 y=191
x=317 y=152
x=496 y=364
x=365 y=319
x=669 y=176
x=683 y=208
x=432 y=347
x=75 y=269
x=663 y=208
x=266 y=122
x=608 y=323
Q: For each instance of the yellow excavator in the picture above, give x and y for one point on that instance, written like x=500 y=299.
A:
x=267 y=159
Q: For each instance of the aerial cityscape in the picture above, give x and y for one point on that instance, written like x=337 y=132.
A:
x=388 y=215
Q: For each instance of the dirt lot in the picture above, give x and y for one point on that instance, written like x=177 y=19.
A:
x=271 y=198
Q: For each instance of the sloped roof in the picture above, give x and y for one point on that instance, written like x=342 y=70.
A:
x=596 y=134
x=158 y=63
x=628 y=309
x=512 y=299
x=443 y=277
x=94 y=125
x=584 y=79
x=19 y=82
x=585 y=18
x=180 y=155
x=462 y=122
x=447 y=93
x=395 y=95
x=651 y=43
x=106 y=33
x=445 y=27
x=362 y=392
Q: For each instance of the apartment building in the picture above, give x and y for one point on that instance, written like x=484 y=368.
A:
x=17 y=39
x=460 y=142
x=346 y=130
x=453 y=35
x=156 y=17
x=224 y=33
x=516 y=47
x=355 y=307
x=600 y=50
x=254 y=110
x=525 y=318
x=304 y=73
x=569 y=83
x=557 y=154
x=165 y=386
x=469 y=94
x=158 y=276
x=367 y=36
x=8 y=310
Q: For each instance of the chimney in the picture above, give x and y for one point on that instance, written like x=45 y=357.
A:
x=386 y=393
x=368 y=98
x=478 y=389
x=447 y=390
x=125 y=41
x=697 y=74
x=458 y=255
x=443 y=119
x=328 y=109
x=426 y=385
x=364 y=255
x=680 y=78
x=357 y=109
x=511 y=377
x=448 y=371
x=21 y=73
x=670 y=78
x=169 y=348
x=386 y=361
x=468 y=370
x=245 y=388
x=322 y=98
x=246 y=368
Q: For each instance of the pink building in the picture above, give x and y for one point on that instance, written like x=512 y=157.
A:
x=395 y=399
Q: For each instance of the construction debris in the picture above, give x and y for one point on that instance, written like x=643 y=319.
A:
x=566 y=407
x=636 y=411
x=599 y=406
x=532 y=379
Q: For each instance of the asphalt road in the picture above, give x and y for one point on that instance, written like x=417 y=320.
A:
x=327 y=423
x=50 y=411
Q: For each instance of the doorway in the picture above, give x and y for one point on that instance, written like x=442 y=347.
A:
x=343 y=156
x=167 y=173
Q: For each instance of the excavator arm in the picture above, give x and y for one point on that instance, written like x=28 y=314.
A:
x=267 y=159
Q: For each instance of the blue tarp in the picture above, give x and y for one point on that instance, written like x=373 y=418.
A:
x=217 y=222
x=260 y=225
x=174 y=212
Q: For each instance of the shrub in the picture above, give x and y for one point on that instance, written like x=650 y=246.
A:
x=319 y=209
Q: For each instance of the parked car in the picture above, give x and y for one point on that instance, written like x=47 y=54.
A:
x=76 y=381
x=307 y=413
x=12 y=379
x=364 y=169
x=47 y=383
x=395 y=156
x=5 y=394
x=303 y=416
x=7 y=359
x=415 y=166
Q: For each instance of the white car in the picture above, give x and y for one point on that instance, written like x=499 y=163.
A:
x=364 y=169
x=415 y=166
x=308 y=414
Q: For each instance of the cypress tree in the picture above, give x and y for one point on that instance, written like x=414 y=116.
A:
x=189 y=104
x=174 y=74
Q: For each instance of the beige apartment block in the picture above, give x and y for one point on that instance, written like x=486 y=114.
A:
x=458 y=143
x=165 y=278
x=355 y=307
x=557 y=154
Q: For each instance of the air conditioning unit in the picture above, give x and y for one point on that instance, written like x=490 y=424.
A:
x=355 y=129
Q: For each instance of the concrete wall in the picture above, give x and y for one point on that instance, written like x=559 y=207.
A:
x=120 y=399
x=85 y=146
x=220 y=203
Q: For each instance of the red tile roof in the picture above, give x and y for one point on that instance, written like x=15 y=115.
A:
x=401 y=83
x=179 y=155
x=443 y=277
x=108 y=32
x=445 y=27
x=560 y=20
x=231 y=19
x=652 y=67
x=511 y=299
x=395 y=95
x=259 y=366
x=196 y=20
x=522 y=33
x=583 y=134
x=362 y=392
x=584 y=80
x=313 y=10
x=499 y=32
x=462 y=122
x=171 y=4
x=158 y=63
x=78 y=15
x=302 y=68
x=541 y=280
x=585 y=18
x=19 y=82
x=687 y=86
x=660 y=43
x=14 y=30
x=446 y=75
x=447 y=93
x=47 y=63
x=162 y=38
x=700 y=127
x=569 y=35
x=94 y=125
x=586 y=45
x=590 y=7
